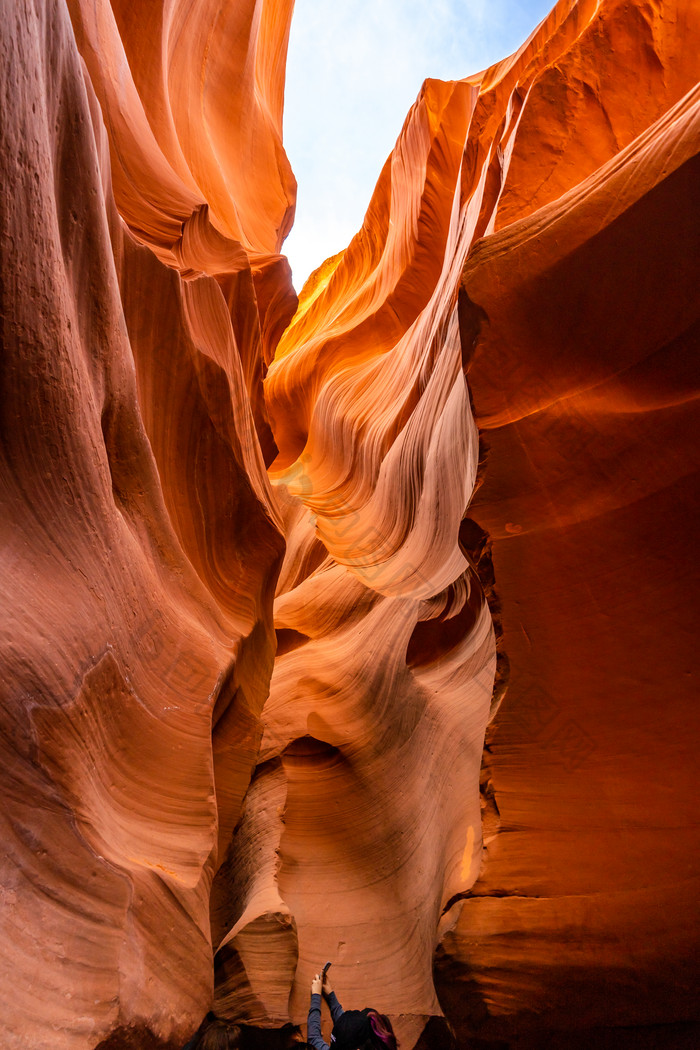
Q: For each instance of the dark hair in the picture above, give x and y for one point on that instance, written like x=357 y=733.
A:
x=215 y=1034
x=383 y=1037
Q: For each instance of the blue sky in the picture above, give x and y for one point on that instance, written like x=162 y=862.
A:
x=354 y=70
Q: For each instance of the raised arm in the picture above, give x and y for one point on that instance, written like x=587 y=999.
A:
x=332 y=999
x=313 y=1023
x=335 y=1007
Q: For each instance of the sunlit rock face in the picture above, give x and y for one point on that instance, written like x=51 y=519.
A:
x=250 y=636
x=385 y=668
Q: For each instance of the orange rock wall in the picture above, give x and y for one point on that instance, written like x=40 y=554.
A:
x=582 y=928
x=140 y=539
x=386 y=653
x=250 y=636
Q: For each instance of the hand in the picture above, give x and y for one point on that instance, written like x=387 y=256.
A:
x=317 y=984
x=327 y=986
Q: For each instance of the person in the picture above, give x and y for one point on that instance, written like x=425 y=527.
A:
x=352 y=1029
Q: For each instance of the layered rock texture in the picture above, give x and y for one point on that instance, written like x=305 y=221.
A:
x=266 y=564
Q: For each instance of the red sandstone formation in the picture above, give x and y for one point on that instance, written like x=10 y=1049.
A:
x=187 y=826
x=141 y=541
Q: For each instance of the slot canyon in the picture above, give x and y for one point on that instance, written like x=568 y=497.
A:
x=360 y=625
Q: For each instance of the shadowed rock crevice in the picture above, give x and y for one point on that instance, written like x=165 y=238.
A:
x=135 y=1037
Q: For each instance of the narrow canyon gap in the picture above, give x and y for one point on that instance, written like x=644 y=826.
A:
x=273 y=567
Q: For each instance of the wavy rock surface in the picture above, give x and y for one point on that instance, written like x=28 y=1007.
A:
x=140 y=549
x=580 y=931
x=198 y=481
x=379 y=703
x=576 y=213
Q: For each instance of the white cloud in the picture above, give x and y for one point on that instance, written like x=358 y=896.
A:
x=354 y=69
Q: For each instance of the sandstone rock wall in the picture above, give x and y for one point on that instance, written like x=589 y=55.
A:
x=140 y=545
x=251 y=637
